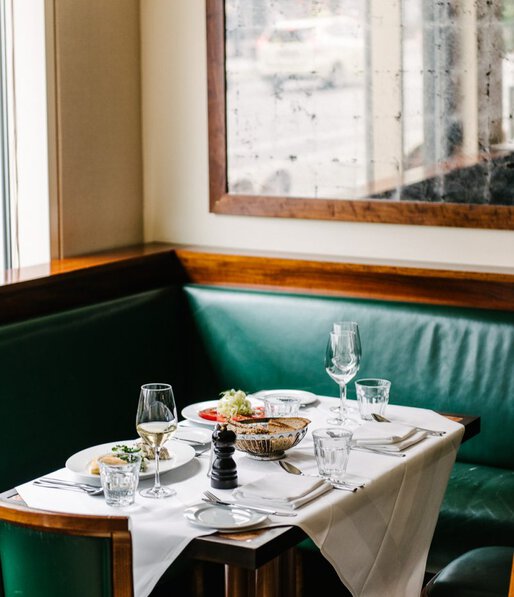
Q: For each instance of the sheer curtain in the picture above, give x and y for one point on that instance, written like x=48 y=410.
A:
x=25 y=219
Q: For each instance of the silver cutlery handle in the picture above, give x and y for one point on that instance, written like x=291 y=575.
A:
x=374 y=451
x=68 y=483
x=343 y=486
x=63 y=487
x=431 y=431
x=255 y=508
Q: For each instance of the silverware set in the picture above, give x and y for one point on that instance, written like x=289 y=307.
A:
x=51 y=483
x=382 y=419
x=213 y=499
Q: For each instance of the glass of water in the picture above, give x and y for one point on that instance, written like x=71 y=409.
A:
x=372 y=396
x=120 y=477
x=332 y=449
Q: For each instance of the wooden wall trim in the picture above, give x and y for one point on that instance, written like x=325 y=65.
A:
x=70 y=283
x=75 y=282
x=380 y=282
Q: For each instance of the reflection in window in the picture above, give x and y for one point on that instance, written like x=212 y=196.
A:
x=394 y=99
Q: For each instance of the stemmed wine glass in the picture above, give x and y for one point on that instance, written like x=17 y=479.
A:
x=156 y=422
x=342 y=361
x=352 y=326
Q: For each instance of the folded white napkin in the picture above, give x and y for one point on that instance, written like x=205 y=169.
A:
x=382 y=433
x=276 y=491
x=399 y=446
x=393 y=437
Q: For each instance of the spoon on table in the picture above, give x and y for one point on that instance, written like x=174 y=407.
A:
x=294 y=470
x=381 y=419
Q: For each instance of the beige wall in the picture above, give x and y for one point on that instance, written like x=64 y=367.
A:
x=175 y=157
x=98 y=124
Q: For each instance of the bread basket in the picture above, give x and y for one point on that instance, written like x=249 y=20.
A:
x=268 y=438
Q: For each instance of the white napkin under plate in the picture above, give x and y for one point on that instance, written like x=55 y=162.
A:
x=275 y=491
x=394 y=437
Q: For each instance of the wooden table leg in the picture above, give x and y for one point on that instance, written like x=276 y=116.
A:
x=277 y=578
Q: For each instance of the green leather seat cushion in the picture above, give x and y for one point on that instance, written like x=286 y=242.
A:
x=483 y=572
x=52 y=564
x=478 y=510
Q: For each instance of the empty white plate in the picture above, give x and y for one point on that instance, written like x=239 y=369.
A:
x=195 y=434
x=305 y=397
x=222 y=518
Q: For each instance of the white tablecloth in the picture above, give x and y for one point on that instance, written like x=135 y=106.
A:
x=377 y=538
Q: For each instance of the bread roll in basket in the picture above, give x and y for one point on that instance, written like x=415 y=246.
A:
x=268 y=438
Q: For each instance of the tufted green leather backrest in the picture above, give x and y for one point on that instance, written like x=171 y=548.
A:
x=42 y=564
x=447 y=359
x=71 y=380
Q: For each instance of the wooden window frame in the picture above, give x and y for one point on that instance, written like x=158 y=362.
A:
x=499 y=217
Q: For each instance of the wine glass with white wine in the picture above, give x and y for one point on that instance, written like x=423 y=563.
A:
x=342 y=361
x=156 y=422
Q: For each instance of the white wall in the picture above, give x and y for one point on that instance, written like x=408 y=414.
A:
x=175 y=154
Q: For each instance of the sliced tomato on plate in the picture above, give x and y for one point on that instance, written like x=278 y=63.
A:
x=211 y=414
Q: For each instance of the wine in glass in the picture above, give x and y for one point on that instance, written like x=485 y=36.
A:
x=342 y=360
x=156 y=422
x=341 y=326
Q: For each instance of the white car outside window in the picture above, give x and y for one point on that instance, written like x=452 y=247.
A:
x=328 y=49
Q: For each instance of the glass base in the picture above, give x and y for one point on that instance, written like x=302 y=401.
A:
x=158 y=492
x=340 y=421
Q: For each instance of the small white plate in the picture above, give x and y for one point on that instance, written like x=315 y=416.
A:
x=305 y=397
x=195 y=434
x=78 y=463
x=223 y=518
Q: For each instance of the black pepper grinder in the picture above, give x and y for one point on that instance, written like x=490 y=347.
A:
x=224 y=470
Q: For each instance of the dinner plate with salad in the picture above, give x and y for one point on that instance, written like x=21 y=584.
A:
x=233 y=404
x=81 y=464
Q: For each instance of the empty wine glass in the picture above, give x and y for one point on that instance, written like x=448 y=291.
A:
x=342 y=360
x=351 y=326
x=156 y=422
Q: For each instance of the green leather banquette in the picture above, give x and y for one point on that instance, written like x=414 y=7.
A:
x=71 y=379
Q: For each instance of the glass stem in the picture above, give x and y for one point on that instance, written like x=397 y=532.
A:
x=157 y=483
x=342 y=402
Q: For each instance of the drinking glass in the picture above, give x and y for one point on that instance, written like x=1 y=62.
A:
x=119 y=477
x=332 y=450
x=341 y=326
x=342 y=360
x=372 y=396
x=156 y=422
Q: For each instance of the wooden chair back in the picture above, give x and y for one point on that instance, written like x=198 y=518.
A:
x=51 y=554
